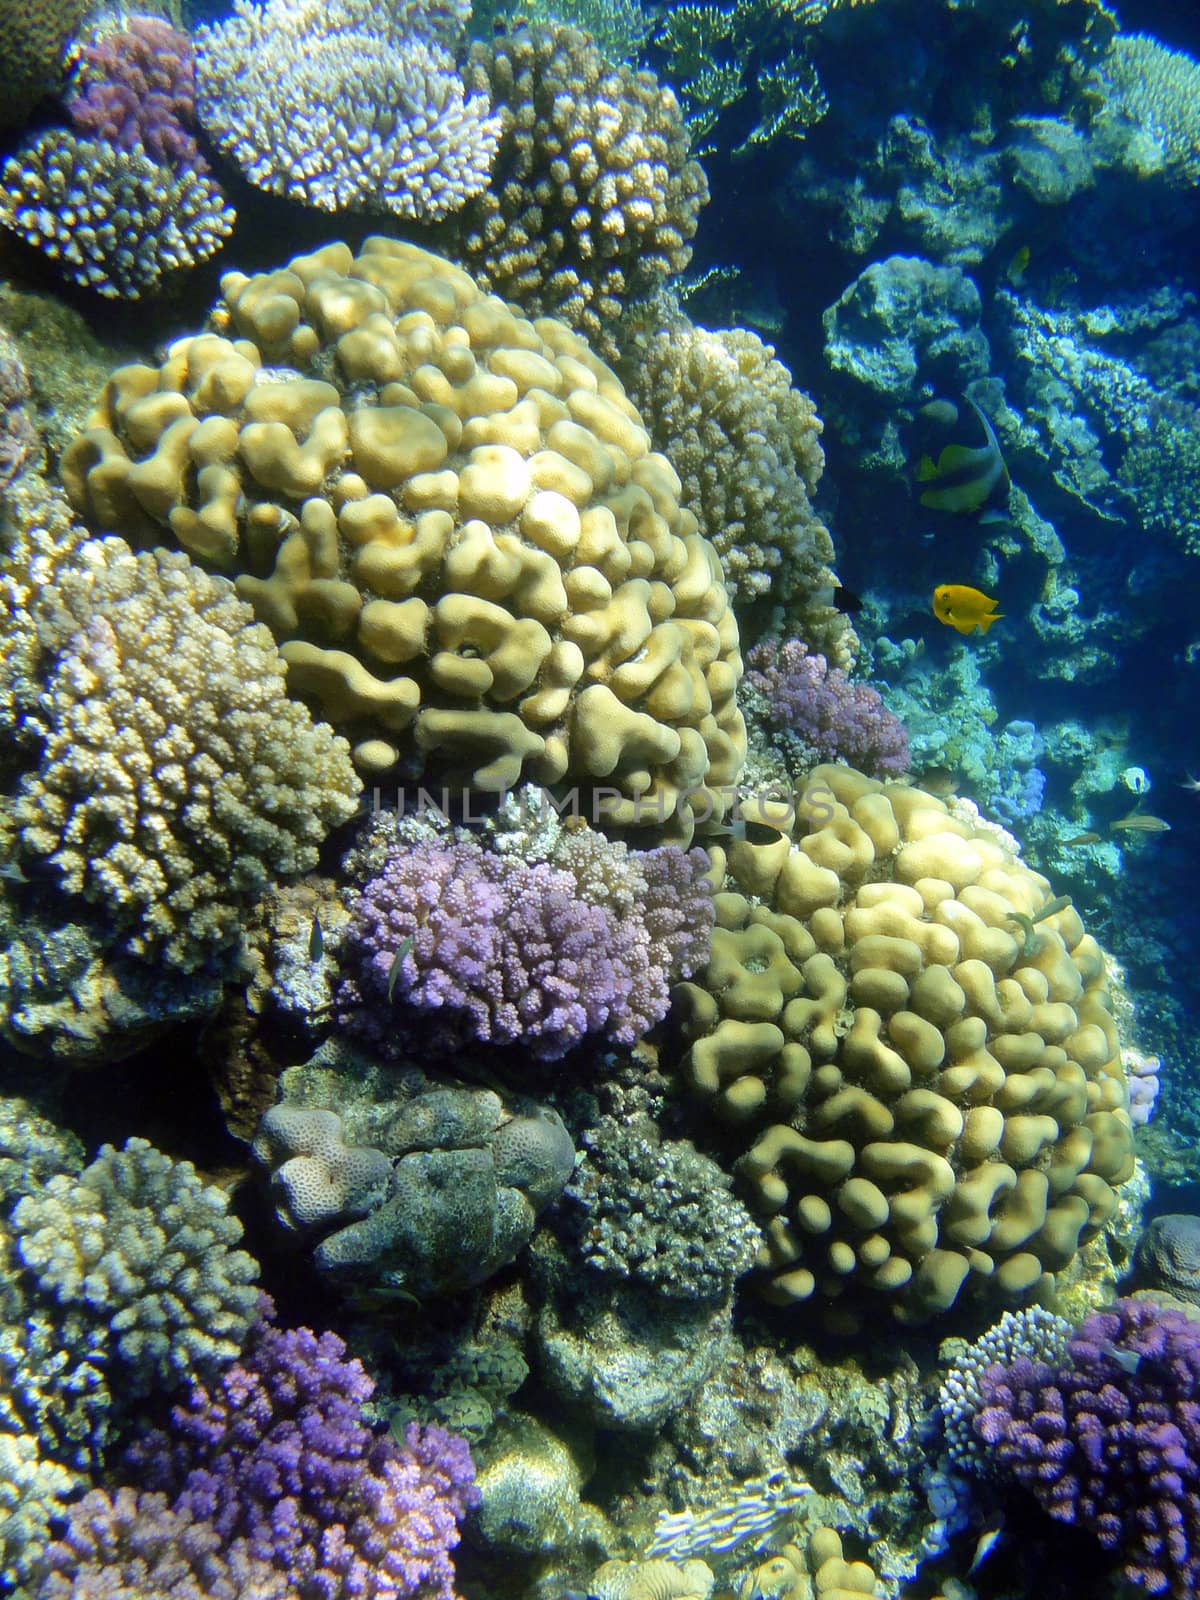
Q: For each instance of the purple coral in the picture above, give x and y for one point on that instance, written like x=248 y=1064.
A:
x=1110 y=1441
x=500 y=950
x=834 y=719
x=138 y=89
x=276 y=1457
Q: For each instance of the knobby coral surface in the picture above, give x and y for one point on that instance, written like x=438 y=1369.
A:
x=452 y=520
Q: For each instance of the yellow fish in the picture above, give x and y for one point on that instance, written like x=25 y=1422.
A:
x=964 y=608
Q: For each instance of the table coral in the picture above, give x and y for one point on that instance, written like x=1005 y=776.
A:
x=924 y=1098
x=453 y=521
x=1109 y=1439
x=340 y=105
x=114 y=220
x=594 y=199
x=136 y=1241
x=176 y=781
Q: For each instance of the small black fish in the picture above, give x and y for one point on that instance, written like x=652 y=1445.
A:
x=397 y=962
x=839 y=598
x=316 y=940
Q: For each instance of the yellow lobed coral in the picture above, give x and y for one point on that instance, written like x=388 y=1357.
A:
x=928 y=1092
x=452 y=520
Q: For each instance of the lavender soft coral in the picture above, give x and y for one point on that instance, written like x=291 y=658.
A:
x=277 y=1458
x=137 y=89
x=1110 y=1440
x=830 y=717
x=496 y=949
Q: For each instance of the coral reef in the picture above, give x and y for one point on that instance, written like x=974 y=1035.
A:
x=922 y=1090
x=1033 y=1334
x=175 y=780
x=1108 y=1440
x=1168 y=1256
x=1146 y=117
x=112 y=219
x=341 y=106
x=494 y=948
x=419 y=1188
x=278 y=1459
x=135 y=87
x=658 y=1211
x=746 y=445
x=487 y=569
x=138 y=1243
x=594 y=200
x=823 y=715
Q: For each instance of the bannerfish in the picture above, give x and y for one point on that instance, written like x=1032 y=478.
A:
x=1140 y=822
x=965 y=478
x=963 y=608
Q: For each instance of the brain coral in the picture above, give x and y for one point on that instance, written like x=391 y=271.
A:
x=452 y=520
x=594 y=199
x=925 y=1090
x=176 y=779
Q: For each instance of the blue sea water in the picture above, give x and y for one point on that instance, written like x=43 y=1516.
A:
x=688 y=1192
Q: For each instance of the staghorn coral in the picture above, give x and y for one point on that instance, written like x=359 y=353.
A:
x=453 y=521
x=1108 y=1439
x=137 y=1242
x=112 y=219
x=502 y=950
x=593 y=199
x=129 y=1543
x=277 y=1456
x=135 y=88
x=176 y=780
x=34 y=37
x=341 y=105
x=922 y=1094
x=746 y=445
x=824 y=716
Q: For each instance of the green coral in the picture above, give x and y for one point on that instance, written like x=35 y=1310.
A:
x=1161 y=470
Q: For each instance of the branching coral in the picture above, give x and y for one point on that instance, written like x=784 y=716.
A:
x=135 y=87
x=1148 y=107
x=828 y=717
x=342 y=105
x=176 y=780
x=139 y=1243
x=593 y=200
x=112 y=219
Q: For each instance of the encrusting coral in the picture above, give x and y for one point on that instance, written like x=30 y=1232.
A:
x=111 y=219
x=33 y=44
x=453 y=521
x=924 y=1082
x=340 y=104
x=594 y=199
x=175 y=780
x=138 y=1243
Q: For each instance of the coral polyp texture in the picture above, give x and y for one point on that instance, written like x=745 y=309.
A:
x=925 y=1084
x=112 y=220
x=139 y=1243
x=822 y=715
x=594 y=199
x=175 y=780
x=452 y=521
x=342 y=104
x=33 y=48
x=747 y=447
x=1108 y=1439
x=136 y=87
